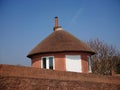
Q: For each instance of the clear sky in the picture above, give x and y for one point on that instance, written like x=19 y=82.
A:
x=24 y=23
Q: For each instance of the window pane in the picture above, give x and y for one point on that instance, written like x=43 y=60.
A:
x=44 y=62
x=89 y=64
x=50 y=62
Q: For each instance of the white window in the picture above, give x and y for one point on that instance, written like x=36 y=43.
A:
x=89 y=65
x=47 y=62
x=73 y=63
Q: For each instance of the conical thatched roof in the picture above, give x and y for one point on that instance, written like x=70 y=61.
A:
x=60 y=41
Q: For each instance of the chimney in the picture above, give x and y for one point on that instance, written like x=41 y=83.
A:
x=56 y=21
x=56 y=27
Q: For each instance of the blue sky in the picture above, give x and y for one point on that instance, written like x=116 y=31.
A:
x=24 y=23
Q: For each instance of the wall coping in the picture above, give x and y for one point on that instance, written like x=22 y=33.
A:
x=31 y=72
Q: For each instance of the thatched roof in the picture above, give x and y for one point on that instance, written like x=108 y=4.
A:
x=60 y=41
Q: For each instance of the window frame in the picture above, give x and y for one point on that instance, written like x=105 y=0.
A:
x=89 y=65
x=47 y=62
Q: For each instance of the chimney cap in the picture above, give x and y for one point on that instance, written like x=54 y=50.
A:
x=56 y=16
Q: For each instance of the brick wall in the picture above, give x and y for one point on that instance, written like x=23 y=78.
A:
x=27 y=78
x=60 y=62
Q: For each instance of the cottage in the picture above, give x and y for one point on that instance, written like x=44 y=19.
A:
x=62 y=51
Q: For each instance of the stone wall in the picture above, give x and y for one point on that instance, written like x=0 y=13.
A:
x=27 y=78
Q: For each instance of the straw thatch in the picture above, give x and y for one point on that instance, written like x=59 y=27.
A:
x=60 y=41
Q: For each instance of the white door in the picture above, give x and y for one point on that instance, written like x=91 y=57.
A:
x=73 y=63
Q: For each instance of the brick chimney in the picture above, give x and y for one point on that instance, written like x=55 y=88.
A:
x=57 y=27
x=56 y=21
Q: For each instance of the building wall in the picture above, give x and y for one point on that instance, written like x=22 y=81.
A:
x=28 y=78
x=60 y=60
x=36 y=62
x=84 y=62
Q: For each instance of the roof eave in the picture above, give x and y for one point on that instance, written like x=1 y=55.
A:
x=30 y=55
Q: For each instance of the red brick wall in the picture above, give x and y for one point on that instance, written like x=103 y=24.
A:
x=27 y=78
x=60 y=63
x=84 y=63
x=36 y=62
